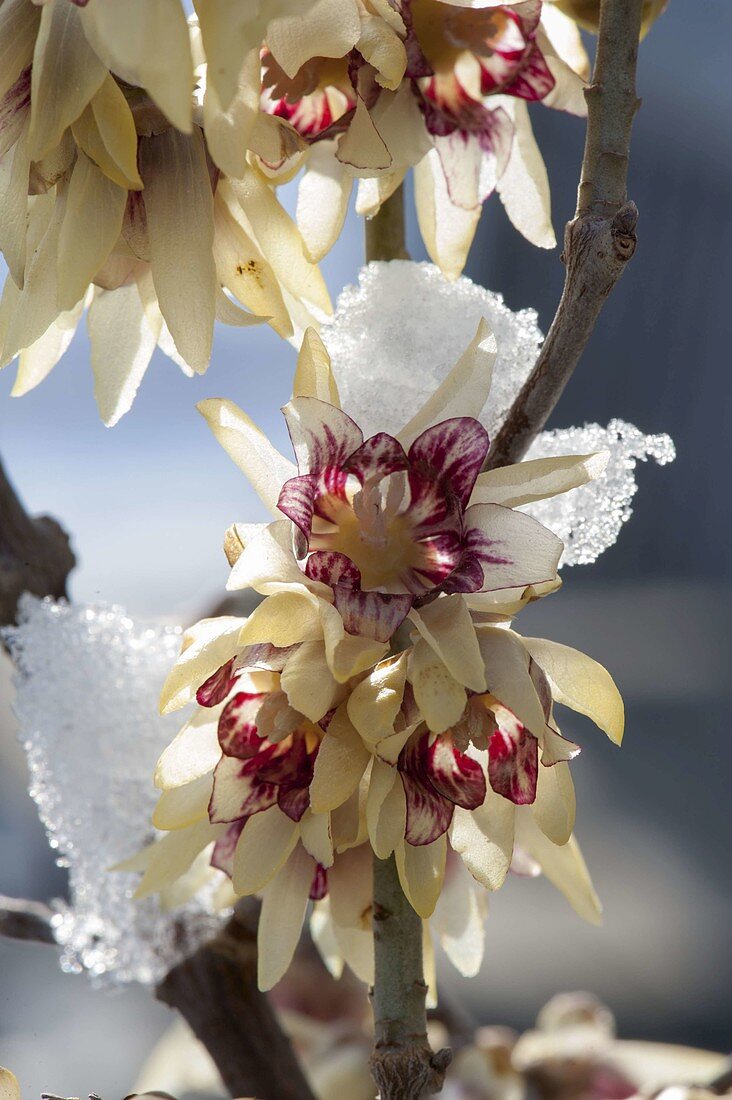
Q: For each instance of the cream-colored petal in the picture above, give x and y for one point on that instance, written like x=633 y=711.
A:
x=313 y=374
x=267 y=562
x=316 y=837
x=180 y=222
x=183 y=806
x=229 y=313
x=421 y=873
x=463 y=392
x=19 y=23
x=383 y=48
x=278 y=237
x=316 y=28
x=563 y=865
x=323 y=935
x=440 y=698
x=446 y=626
x=447 y=230
x=374 y=703
x=205 y=647
x=362 y=149
x=429 y=967
x=284 y=902
x=350 y=889
x=386 y=809
x=347 y=654
x=105 y=130
x=322 y=200
x=506 y=661
x=95 y=207
x=459 y=921
x=339 y=765
x=122 y=345
x=524 y=184
x=146 y=42
x=37 y=361
x=169 y=858
x=565 y=37
x=9 y=1085
x=555 y=806
x=228 y=129
x=308 y=682
x=14 y=172
x=484 y=839
x=222 y=24
x=243 y=270
x=581 y=683
x=266 y=842
x=249 y=448
x=283 y=620
x=569 y=88
x=537 y=479
x=66 y=73
x=195 y=751
x=357 y=948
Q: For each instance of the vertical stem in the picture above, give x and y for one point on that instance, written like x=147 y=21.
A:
x=403 y=1063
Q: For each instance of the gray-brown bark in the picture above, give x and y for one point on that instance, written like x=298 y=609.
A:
x=598 y=242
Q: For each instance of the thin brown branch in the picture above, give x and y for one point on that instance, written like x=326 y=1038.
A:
x=215 y=990
x=21 y=919
x=35 y=555
x=599 y=241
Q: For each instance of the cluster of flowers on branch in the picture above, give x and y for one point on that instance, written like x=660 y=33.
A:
x=140 y=183
x=378 y=698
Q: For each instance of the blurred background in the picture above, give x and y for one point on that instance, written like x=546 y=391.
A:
x=147 y=503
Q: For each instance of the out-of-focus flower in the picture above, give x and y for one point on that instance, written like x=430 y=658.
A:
x=442 y=87
x=119 y=197
x=9 y=1087
x=587 y=13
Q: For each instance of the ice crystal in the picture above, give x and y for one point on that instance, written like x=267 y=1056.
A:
x=88 y=680
x=588 y=519
x=395 y=335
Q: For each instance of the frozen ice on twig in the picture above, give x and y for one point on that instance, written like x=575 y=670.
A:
x=395 y=335
x=588 y=519
x=87 y=683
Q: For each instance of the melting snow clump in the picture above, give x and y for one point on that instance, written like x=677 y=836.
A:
x=88 y=681
x=588 y=519
x=395 y=336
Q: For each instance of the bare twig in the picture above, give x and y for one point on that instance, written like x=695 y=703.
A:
x=216 y=991
x=599 y=241
x=35 y=555
x=21 y=919
x=403 y=1064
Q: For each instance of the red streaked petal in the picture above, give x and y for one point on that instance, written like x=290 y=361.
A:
x=513 y=761
x=467 y=576
x=452 y=453
x=293 y=801
x=238 y=726
x=321 y=434
x=428 y=814
x=217 y=687
x=437 y=556
x=371 y=614
x=237 y=791
x=534 y=81
x=297 y=501
x=330 y=493
x=222 y=856
x=319 y=887
x=377 y=457
x=454 y=774
x=331 y=567
x=263 y=655
x=288 y=764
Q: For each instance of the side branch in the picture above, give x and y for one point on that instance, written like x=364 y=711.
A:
x=35 y=555
x=215 y=990
x=600 y=240
x=21 y=919
x=403 y=1064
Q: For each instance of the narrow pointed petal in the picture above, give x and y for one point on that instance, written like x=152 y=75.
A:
x=183 y=806
x=339 y=765
x=563 y=865
x=180 y=220
x=524 y=482
x=464 y=391
x=229 y=127
x=459 y=921
x=266 y=842
x=95 y=207
x=122 y=345
x=205 y=648
x=322 y=201
x=386 y=809
x=484 y=839
x=66 y=74
x=194 y=752
x=14 y=175
x=171 y=857
x=556 y=804
x=316 y=838
x=284 y=902
x=313 y=374
x=421 y=873
x=506 y=661
x=19 y=23
x=249 y=448
x=36 y=362
x=523 y=185
x=447 y=230
x=582 y=684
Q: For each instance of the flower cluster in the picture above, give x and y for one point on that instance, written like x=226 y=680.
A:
x=140 y=184
x=378 y=699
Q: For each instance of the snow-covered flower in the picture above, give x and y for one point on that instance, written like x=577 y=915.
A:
x=121 y=198
x=440 y=87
